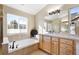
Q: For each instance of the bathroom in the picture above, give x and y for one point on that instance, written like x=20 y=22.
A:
x=51 y=20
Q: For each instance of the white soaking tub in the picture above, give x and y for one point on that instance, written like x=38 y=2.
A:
x=22 y=44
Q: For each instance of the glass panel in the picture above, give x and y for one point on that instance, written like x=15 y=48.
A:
x=12 y=23
x=58 y=23
x=64 y=24
x=16 y=24
x=74 y=20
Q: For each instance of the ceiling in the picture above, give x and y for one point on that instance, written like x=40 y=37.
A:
x=28 y=8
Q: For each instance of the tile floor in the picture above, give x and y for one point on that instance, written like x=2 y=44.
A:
x=38 y=52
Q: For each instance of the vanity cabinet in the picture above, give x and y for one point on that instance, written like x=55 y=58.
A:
x=66 y=47
x=55 y=46
x=47 y=44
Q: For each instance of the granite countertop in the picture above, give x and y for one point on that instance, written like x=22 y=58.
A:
x=61 y=35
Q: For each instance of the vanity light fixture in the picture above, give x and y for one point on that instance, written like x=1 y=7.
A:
x=54 y=12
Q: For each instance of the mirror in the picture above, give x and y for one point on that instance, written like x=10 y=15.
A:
x=67 y=22
x=54 y=26
x=74 y=21
x=58 y=23
x=64 y=24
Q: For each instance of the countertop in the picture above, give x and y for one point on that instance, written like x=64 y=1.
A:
x=61 y=35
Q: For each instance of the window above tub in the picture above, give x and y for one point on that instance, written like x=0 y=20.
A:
x=16 y=24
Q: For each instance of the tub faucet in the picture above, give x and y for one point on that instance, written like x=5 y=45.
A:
x=13 y=44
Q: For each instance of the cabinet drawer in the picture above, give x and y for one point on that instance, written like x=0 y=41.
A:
x=54 y=39
x=46 y=37
x=66 y=41
x=54 y=43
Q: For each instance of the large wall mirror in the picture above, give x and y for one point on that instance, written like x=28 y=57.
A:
x=66 y=22
x=53 y=26
x=58 y=23
x=74 y=20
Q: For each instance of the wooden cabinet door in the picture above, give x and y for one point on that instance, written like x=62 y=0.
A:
x=62 y=49
x=69 y=50
x=47 y=44
x=55 y=48
x=40 y=42
x=65 y=48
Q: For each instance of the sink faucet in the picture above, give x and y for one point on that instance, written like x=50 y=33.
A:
x=13 y=44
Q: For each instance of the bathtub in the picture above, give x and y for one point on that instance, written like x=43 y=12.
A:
x=22 y=44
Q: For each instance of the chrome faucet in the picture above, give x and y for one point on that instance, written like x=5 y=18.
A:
x=13 y=44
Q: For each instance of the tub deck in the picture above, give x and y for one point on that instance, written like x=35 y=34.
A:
x=25 y=47
x=25 y=51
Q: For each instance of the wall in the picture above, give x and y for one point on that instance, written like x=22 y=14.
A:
x=40 y=18
x=20 y=13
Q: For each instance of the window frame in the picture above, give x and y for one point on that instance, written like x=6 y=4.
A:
x=22 y=31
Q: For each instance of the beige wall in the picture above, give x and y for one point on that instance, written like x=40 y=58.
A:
x=20 y=13
x=40 y=19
